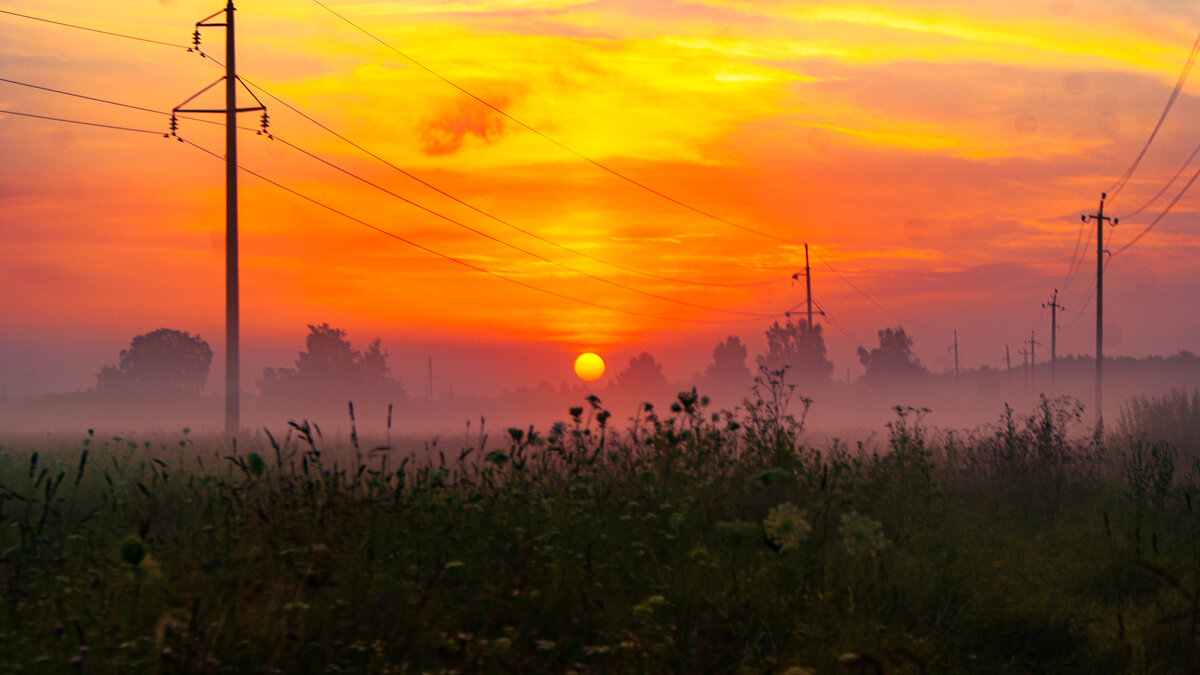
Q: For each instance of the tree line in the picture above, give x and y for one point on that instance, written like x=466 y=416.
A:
x=174 y=365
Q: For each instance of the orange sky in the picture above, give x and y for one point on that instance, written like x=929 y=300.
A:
x=936 y=155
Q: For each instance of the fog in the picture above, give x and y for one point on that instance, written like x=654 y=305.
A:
x=444 y=390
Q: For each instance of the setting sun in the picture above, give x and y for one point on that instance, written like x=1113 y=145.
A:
x=589 y=367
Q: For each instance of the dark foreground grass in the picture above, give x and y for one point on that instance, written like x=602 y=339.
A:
x=684 y=543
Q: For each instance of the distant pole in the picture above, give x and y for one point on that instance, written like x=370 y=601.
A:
x=232 y=293
x=1007 y=359
x=233 y=357
x=1054 y=307
x=429 y=388
x=808 y=285
x=1033 y=343
x=956 y=353
x=1100 y=218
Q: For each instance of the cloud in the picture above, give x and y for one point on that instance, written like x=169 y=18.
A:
x=445 y=133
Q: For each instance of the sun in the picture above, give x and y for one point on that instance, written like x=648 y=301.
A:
x=589 y=367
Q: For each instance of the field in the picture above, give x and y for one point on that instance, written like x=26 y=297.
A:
x=680 y=541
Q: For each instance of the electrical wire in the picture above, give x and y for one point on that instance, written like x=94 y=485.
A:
x=1160 y=216
x=94 y=30
x=431 y=211
x=864 y=293
x=1187 y=68
x=838 y=325
x=555 y=141
x=81 y=122
x=1167 y=186
x=502 y=221
x=586 y=158
x=526 y=126
x=459 y=261
x=514 y=247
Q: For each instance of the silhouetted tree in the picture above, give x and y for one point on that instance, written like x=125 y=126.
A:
x=799 y=347
x=330 y=369
x=728 y=373
x=643 y=377
x=164 y=362
x=893 y=360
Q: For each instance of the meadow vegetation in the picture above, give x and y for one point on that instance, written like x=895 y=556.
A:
x=683 y=540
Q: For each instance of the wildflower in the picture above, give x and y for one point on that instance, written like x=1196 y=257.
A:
x=862 y=535
x=787 y=526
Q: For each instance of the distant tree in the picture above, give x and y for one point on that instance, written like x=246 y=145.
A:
x=893 y=360
x=728 y=372
x=164 y=362
x=643 y=377
x=330 y=369
x=799 y=347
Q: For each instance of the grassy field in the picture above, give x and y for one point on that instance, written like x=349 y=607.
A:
x=682 y=541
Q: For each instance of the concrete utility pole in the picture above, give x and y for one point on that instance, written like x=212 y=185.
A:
x=1054 y=307
x=1100 y=218
x=232 y=293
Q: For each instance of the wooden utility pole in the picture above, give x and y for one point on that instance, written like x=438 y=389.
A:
x=808 y=285
x=232 y=292
x=1100 y=218
x=1054 y=307
x=1033 y=343
x=956 y=353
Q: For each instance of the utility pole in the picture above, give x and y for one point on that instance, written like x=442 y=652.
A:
x=1033 y=343
x=429 y=389
x=956 y=353
x=1100 y=218
x=232 y=293
x=808 y=284
x=1054 y=307
x=808 y=288
x=1007 y=359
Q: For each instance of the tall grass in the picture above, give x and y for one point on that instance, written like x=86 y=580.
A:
x=687 y=541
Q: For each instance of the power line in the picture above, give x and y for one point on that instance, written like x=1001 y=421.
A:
x=94 y=30
x=1160 y=216
x=431 y=211
x=539 y=133
x=459 y=261
x=556 y=142
x=1187 y=68
x=502 y=221
x=1165 y=187
x=862 y=292
x=522 y=124
x=498 y=240
x=81 y=122
x=588 y=159
x=838 y=325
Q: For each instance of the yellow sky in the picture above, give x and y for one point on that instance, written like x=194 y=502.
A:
x=936 y=155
